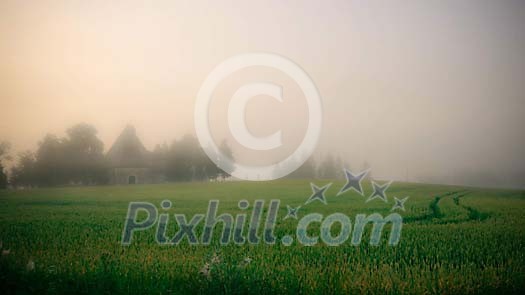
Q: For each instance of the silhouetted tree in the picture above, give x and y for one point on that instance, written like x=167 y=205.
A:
x=366 y=166
x=186 y=161
x=159 y=158
x=306 y=170
x=24 y=173
x=85 y=155
x=226 y=151
x=50 y=162
x=76 y=159
x=4 y=155
x=339 y=167
x=327 y=168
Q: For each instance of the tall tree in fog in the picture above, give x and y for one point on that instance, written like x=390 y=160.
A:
x=327 y=168
x=159 y=159
x=24 y=173
x=4 y=155
x=84 y=153
x=51 y=161
x=76 y=159
x=366 y=166
x=187 y=161
x=307 y=170
x=226 y=151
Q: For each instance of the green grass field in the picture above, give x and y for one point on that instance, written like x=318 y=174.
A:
x=449 y=244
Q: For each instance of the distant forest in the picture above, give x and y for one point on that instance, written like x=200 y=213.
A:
x=79 y=159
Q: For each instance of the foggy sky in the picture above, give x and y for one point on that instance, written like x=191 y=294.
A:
x=432 y=89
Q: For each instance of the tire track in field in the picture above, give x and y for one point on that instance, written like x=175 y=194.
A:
x=473 y=213
x=436 y=215
x=434 y=212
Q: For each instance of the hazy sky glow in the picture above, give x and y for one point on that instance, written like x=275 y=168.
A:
x=435 y=87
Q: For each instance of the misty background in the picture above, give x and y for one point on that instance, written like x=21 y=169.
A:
x=427 y=91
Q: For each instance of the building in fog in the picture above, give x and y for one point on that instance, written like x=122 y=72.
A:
x=129 y=161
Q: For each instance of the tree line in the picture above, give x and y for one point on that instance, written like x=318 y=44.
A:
x=78 y=159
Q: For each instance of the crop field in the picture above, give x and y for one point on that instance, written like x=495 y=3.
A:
x=454 y=240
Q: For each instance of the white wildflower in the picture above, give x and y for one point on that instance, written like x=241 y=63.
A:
x=215 y=259
x=30 y=265
x=247 y=260
x=205 y=270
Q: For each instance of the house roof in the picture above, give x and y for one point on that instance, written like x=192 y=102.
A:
x=128 y=151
